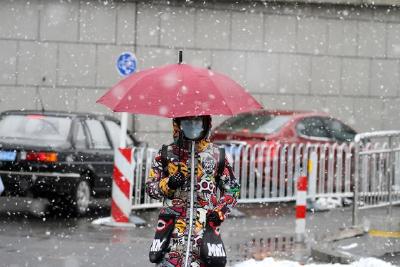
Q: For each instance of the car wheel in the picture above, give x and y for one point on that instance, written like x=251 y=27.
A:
x=81 y=197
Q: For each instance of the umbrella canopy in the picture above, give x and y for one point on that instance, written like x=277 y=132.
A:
x=179 y=90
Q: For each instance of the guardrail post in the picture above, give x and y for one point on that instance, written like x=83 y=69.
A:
x=312 y=175
x=391 y=175
x=355 y=186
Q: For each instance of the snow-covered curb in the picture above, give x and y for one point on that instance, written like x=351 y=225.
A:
x=270 y=262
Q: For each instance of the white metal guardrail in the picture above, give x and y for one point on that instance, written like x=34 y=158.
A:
x=377 y=175
x=367 y=171
x=140 y=200
x=267 y=173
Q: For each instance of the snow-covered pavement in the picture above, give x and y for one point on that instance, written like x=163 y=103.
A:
x=270 y=262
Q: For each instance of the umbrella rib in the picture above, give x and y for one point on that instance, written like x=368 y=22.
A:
x=182 y=82
x=182 y=79
x=138 y=80
x=221 y=95
x=228 y=105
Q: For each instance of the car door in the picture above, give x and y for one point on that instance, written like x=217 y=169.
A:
x=342 y=134
x=313 y=130
x=101 y=154
x=82 y=157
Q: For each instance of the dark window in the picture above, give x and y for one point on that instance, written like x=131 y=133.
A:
x=114 y=130
x=80 y=138
x=42 y=130
x=264 y=124
x=339 y=131
x=312 y=127
x=98 y=135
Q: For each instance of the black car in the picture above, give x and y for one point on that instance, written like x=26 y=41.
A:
x=65 y=157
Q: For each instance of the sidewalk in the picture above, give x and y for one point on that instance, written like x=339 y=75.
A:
x=376 y=236
x=269 y=231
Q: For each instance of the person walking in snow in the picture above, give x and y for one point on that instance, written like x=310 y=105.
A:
x=175 y=243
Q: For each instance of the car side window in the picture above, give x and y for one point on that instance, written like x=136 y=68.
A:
x=80 y=137
x=98 y=135
x=114 y=131
x=340 y=131
x=312 y=127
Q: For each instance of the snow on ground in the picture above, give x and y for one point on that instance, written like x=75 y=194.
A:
x=325 y=203
x=270 y=262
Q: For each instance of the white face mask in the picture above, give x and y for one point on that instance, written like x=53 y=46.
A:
x=192 y=128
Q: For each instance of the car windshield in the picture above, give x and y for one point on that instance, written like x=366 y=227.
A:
x=39 y=130
x=263 y=124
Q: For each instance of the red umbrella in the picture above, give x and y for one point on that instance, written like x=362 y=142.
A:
x=179 y=90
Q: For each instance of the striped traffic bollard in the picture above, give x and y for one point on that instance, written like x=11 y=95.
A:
x=301 y=207
x=122 y=185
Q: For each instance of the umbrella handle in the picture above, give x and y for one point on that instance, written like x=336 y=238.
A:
x=191 y=211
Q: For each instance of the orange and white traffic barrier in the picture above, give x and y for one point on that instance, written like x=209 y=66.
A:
x=121 y=203
x=301 y=208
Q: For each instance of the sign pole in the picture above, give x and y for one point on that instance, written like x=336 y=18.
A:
x=124 y=164
x=126 y=65
x=124 y=128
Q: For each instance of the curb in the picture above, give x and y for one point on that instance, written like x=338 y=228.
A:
x=134 y=221
x=325 y=252
x=381 y=233
x=328 y=255
x=330 y=250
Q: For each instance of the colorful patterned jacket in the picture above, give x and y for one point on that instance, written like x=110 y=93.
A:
x=207 y=197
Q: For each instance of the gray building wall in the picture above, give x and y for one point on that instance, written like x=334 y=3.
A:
x=334 y=58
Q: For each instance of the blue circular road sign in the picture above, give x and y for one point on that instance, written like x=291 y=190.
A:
x=126 y=63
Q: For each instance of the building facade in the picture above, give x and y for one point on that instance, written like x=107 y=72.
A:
x=338 y=58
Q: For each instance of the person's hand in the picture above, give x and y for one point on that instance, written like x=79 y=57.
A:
x=216 y=217
x=181 y=167
x=178 y=175
x=177 y=180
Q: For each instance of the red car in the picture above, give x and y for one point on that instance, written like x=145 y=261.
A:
x=284 y=127
x=276 y=166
